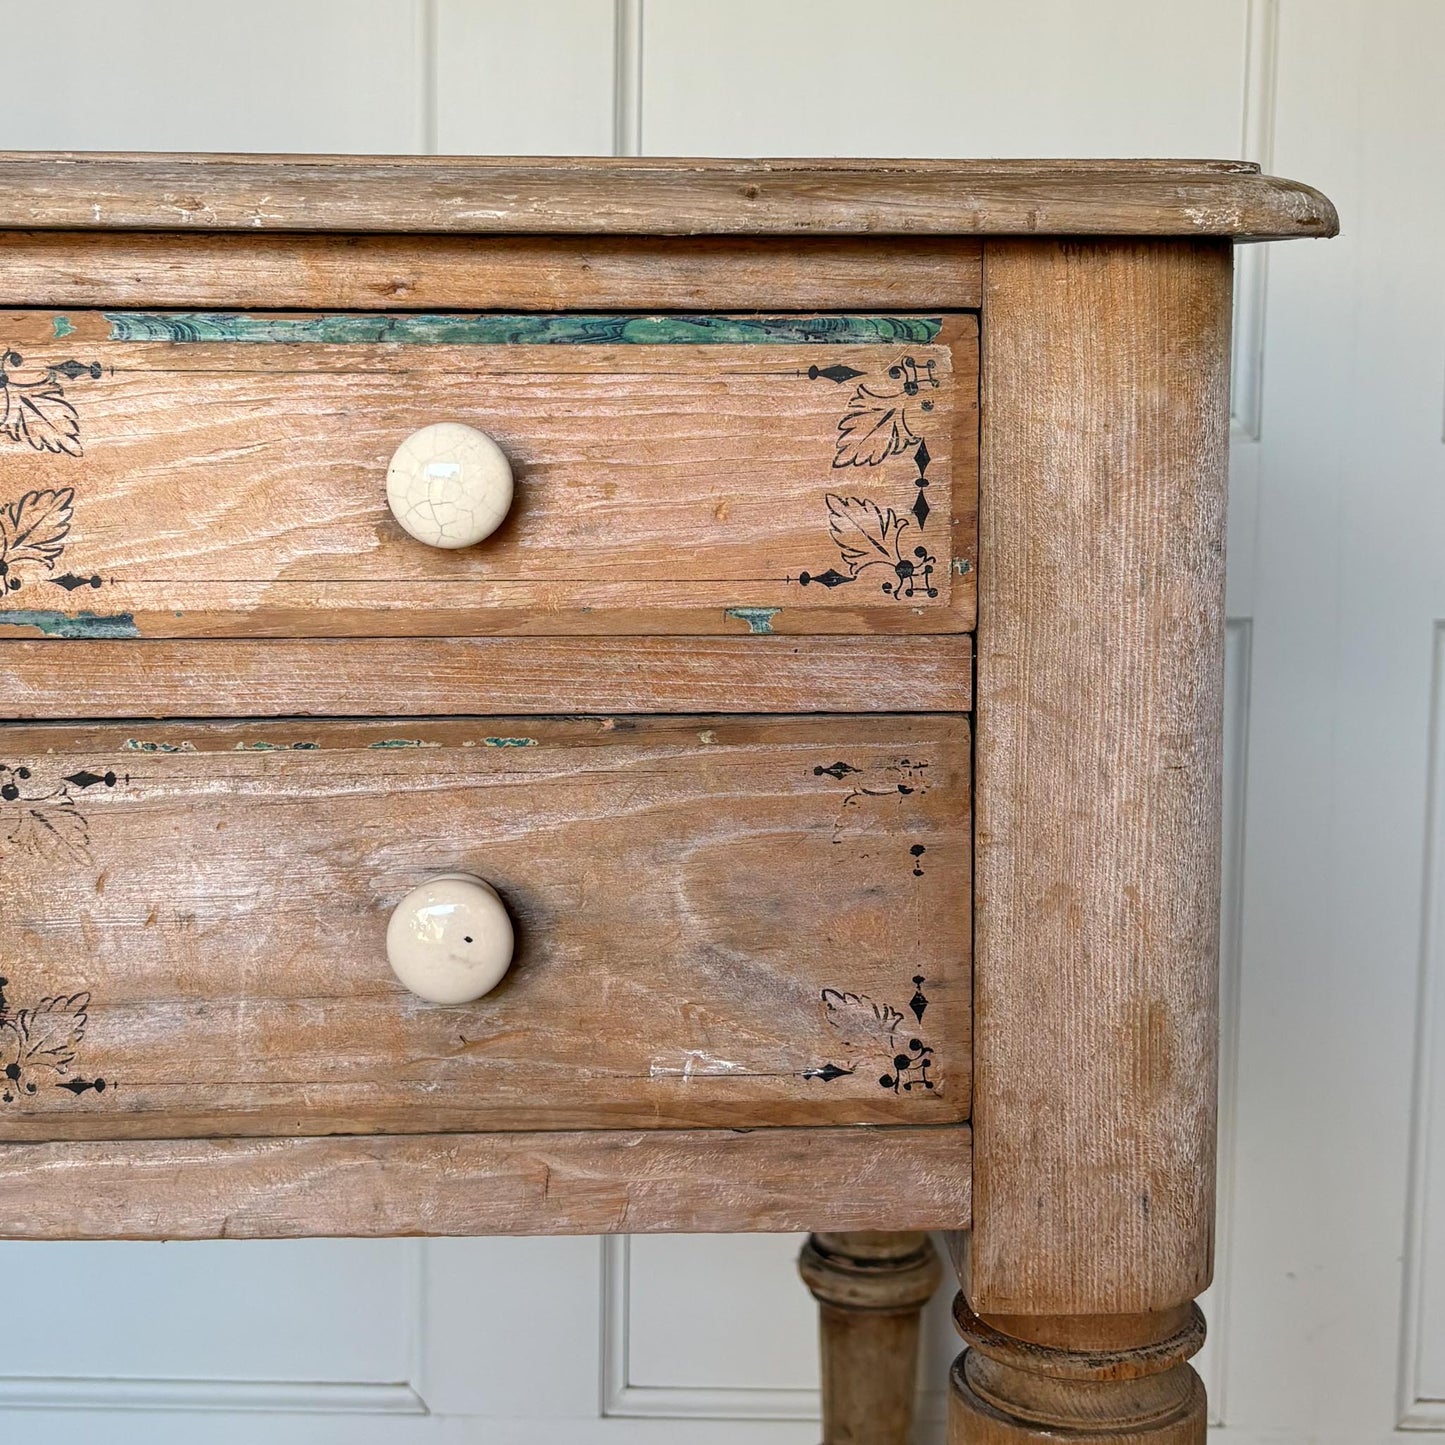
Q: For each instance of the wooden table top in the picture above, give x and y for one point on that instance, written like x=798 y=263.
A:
x=646 y=196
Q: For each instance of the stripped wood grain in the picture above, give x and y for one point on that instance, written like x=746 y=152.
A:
x=720 y=922
x=219 y=474
x=525 y=273
x=1100 y=672
x=378 y=677
x=649 y=196
x=595 y=1182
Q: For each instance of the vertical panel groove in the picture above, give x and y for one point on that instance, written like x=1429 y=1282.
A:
x=427 y=121
x=627 y=79
x=1415 y=1410
x=1261 y=51
x=1238 y=661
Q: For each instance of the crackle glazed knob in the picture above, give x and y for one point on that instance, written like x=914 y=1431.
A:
x=449 y=485
x=450 y=941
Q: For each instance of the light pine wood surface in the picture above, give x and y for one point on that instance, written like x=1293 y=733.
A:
x=588 y=1182
x=719 y=922
x=177 y=484
x=655 y=197
x=526 y=273
x=336 y=677
x=1100 y=669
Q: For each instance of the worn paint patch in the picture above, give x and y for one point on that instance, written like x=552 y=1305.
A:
x=600 y=330
x=402 y=743
x=695 y=1063
x=758 y=619
x=962 y=566
x=144 y=745
x=62 y=326
x=72 y=624
x=509 y=742
x=261 y=746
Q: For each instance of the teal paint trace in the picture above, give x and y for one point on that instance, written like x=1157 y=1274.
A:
x=137 y=745
x=62 y=326
x=759 y=619
x=265 y=747
x=89 y=625
x=389 y=743
x=522 y=330
x=509 y=742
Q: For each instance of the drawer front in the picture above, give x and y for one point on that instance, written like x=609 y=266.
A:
x=209 y=474
x=718 y=921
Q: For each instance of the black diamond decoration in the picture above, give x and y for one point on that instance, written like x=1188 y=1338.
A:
x=74 y=370
x=918 y=1003
x=922 y=457
x=830 y=578
x=920 y=508
x=832 y=373
x=827 y=1073
x=70 y=581
x=89 y=780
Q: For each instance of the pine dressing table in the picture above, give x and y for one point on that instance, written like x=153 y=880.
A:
x=582 y=696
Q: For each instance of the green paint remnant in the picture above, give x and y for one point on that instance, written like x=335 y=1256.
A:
x=62 y=326
x=403 y=743
x=265 y=747
x=71 y=624
x=495 y=330
x=509 y=742
x=137 y=745
x=962 y=566
x=759 y=619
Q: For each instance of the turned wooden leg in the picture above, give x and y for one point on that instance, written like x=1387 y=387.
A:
x=1100 y=1380
x=870 y=1290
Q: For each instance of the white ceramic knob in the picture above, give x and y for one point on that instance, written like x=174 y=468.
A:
x=449 y=485
x=450 y=941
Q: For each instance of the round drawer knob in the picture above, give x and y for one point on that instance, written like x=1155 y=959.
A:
x=449 y=485
x=450 y=941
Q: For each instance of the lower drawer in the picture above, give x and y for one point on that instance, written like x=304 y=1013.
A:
x=719 y=922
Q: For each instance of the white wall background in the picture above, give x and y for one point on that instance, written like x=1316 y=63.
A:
x=1329 y=1317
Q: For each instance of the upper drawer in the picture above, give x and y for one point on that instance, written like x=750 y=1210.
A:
x=211 y=474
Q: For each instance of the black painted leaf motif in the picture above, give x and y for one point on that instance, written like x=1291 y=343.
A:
x=864 y=532
x=54 y=829
x=34 y=528
x=873 y=429
x=38 y=413
x=860 y=1023
x=38 y=1045
x=47 y=1036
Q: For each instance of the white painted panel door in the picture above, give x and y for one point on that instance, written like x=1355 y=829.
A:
x=1328 y=1322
